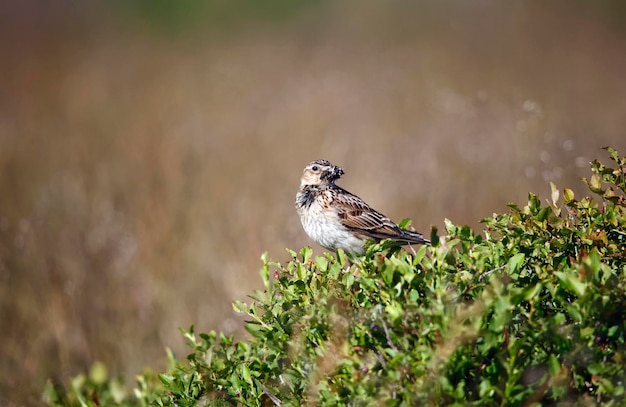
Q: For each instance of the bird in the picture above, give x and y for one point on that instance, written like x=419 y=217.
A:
x=337 y=219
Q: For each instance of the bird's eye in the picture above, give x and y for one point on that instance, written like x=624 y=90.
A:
x=315 y=168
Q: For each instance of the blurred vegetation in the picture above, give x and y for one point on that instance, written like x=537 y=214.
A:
x=532 y=312
x=149 y=151
x=181 y=16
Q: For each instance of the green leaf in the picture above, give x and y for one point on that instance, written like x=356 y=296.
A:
x=404 y=223
x=613 y=153
x=596 y=368
x=265 y=271
x=334 y=271
x=235 y=383
x=613 y=330
x=543 y=213
x=554 y=194
x=306 y=254
x=349 y=279
x=571 y=283
x=532 y=291
x=342 y=258
x=515 y=262
x=240 y=306
x=450 y=227
x=554 y=366
x=595 y=183
x=292 y=253
x=394 y=310
x=533 y=203
x=255 y=329
x=568 y=195
x=419 y=255
x=98 y=373
x=321 y=263
x=166 y=379
x=593 y=262
x=245 y=374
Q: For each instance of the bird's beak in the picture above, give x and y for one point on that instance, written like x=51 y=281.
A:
x=334 y=173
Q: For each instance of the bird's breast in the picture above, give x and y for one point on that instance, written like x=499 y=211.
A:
x=304 y=199
x=321 y=223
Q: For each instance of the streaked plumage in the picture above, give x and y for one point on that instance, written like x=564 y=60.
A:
x=336 y=219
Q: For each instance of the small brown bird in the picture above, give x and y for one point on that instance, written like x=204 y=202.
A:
x=336 y=219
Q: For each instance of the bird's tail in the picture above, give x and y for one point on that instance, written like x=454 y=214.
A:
x=413 y=238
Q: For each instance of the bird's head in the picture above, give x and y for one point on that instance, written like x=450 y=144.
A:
x=320 y=172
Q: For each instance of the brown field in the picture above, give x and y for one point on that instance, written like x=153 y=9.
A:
x=149 y=152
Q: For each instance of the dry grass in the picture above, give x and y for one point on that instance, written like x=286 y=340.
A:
x=143 y=172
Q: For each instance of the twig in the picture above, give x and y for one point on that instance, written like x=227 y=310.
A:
x=491 y=271
x=272 y=397
x=393 y=346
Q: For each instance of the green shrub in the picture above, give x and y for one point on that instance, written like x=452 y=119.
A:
x=532 y=312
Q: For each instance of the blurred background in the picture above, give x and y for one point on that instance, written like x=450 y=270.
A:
x=150 y=151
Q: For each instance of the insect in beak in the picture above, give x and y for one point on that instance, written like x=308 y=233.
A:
x=332 y=173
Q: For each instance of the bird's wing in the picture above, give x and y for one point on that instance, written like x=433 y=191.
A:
x=358 y=216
